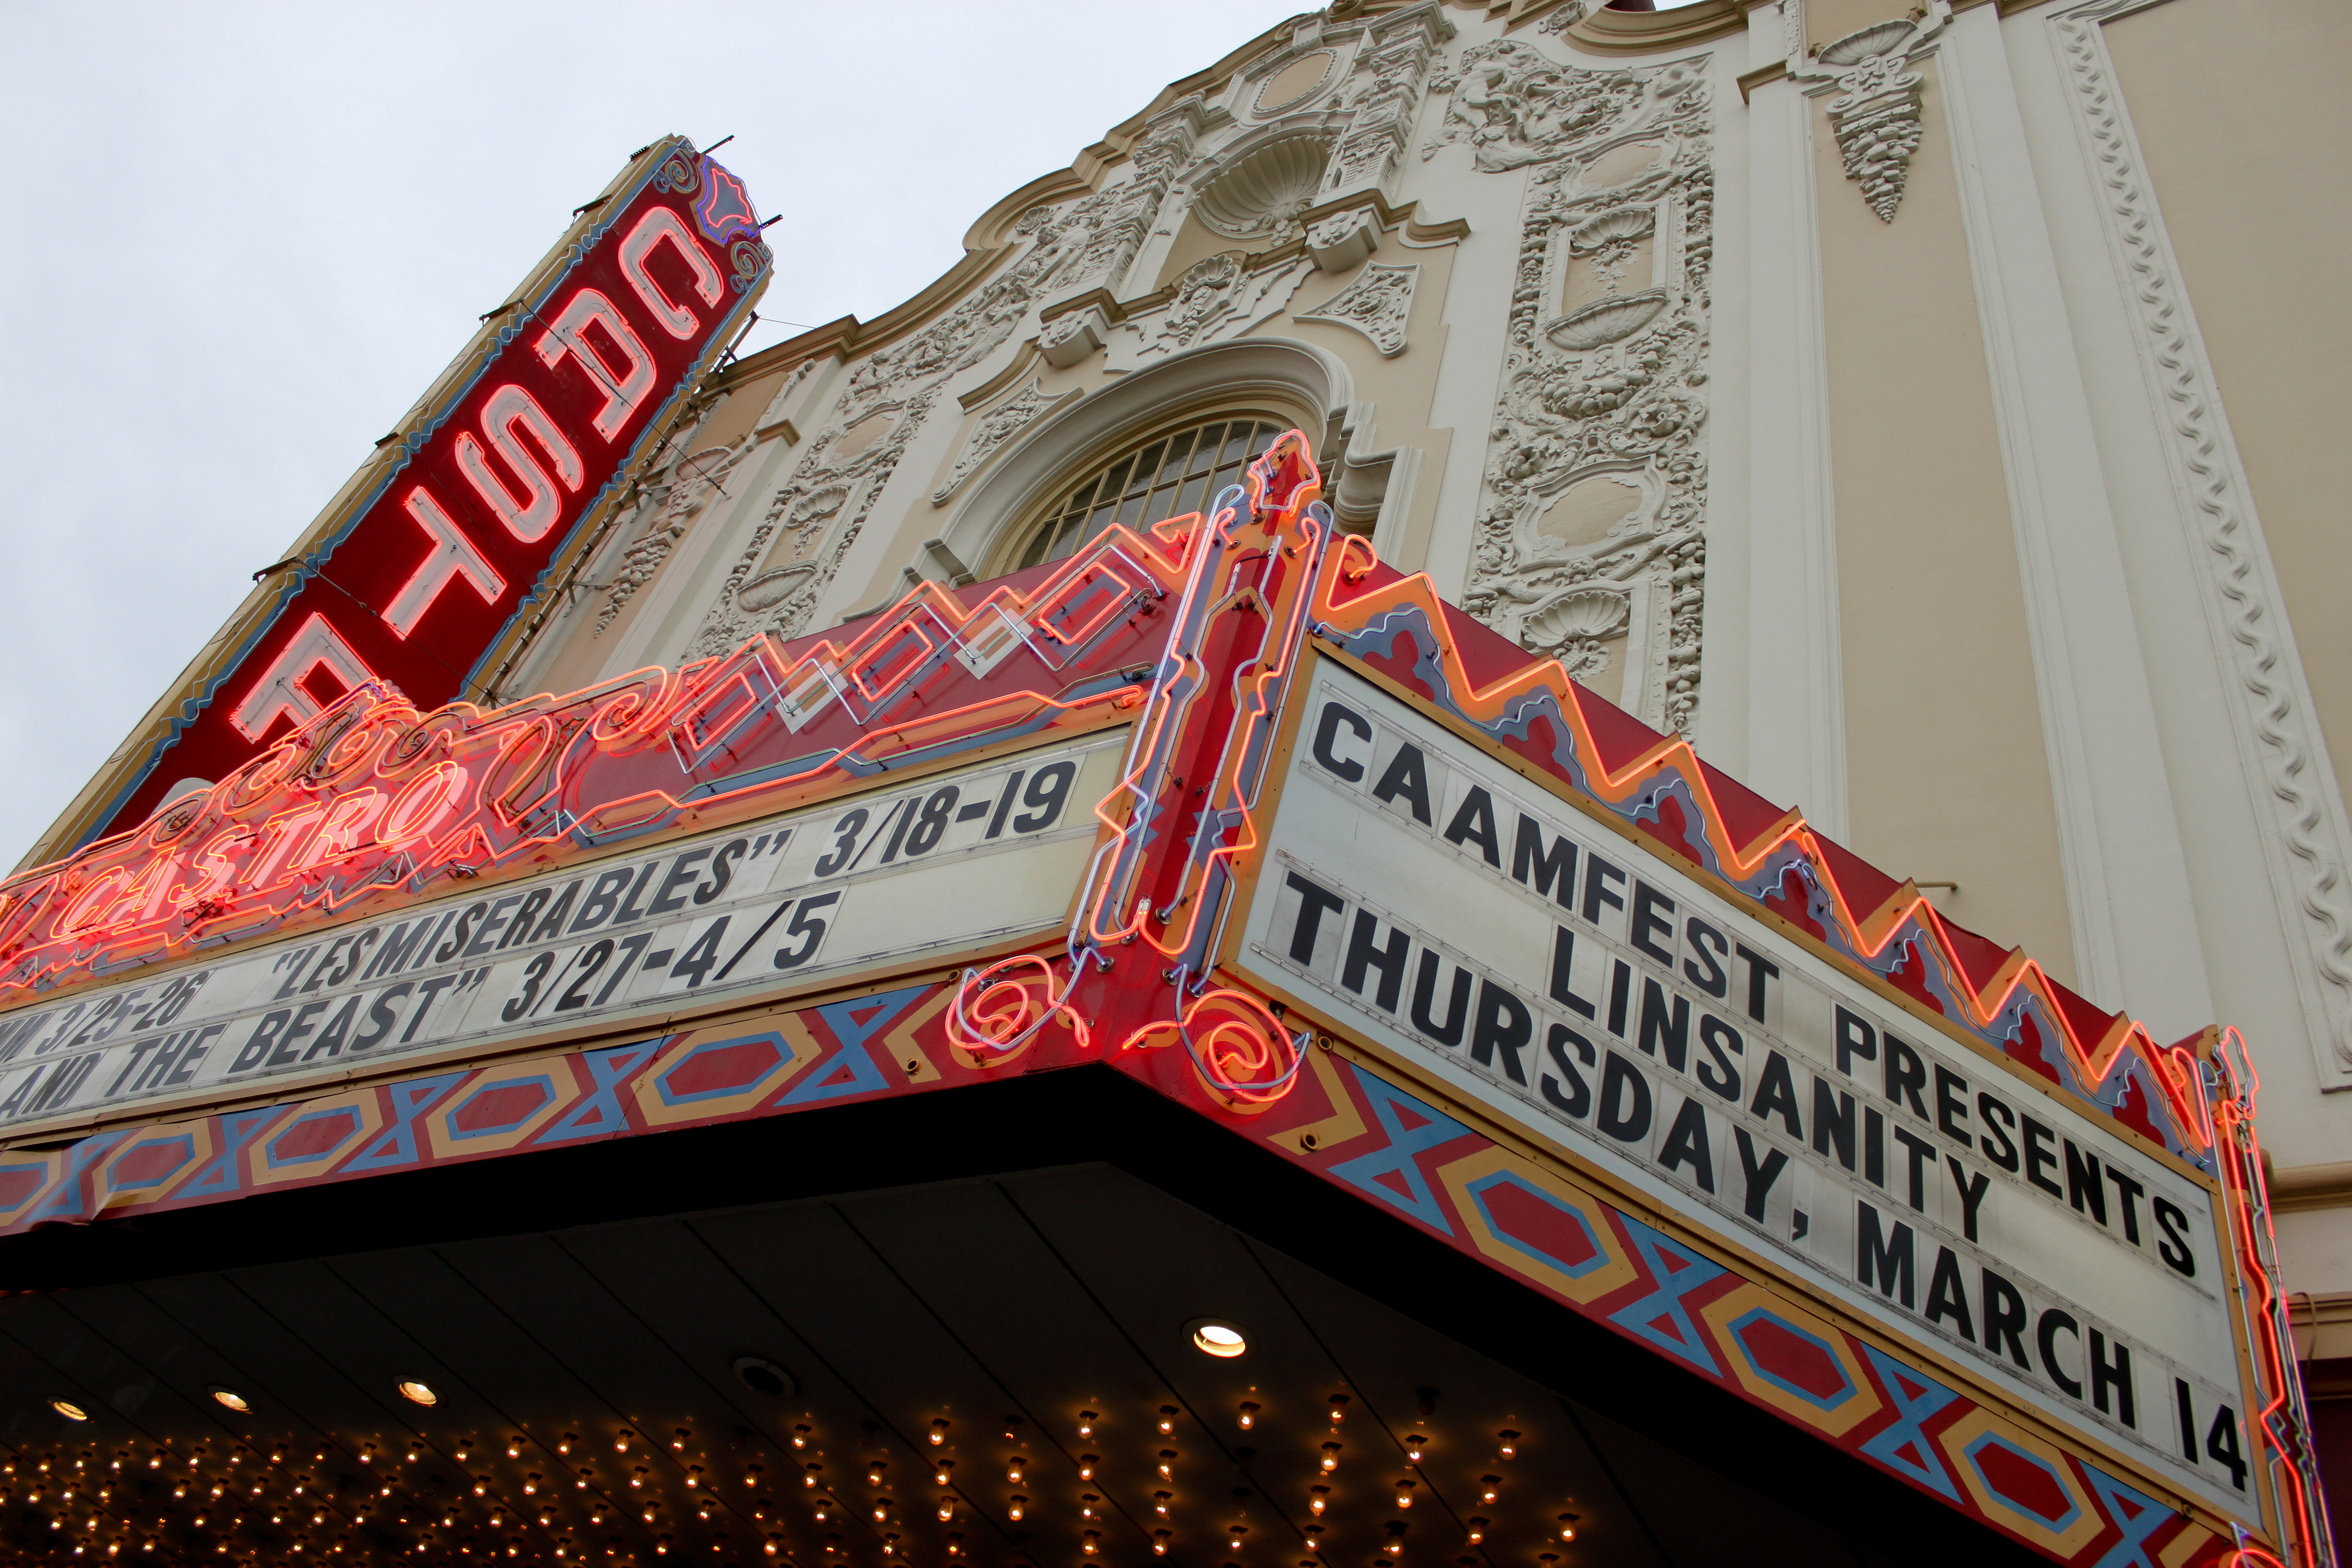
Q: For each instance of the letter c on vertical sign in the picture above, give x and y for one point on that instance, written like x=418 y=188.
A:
x=656 y=225
x=623 y=392
x=529 y=517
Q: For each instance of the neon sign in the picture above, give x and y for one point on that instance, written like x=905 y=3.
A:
x=411 y=589
x=370 y=804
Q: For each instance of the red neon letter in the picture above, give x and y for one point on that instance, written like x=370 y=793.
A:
x=656 y=225
x=278 y=690
x=339 y=835
x=531 y=517
x=452 y=555
x=622 y=392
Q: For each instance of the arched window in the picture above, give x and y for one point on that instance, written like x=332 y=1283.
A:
x=1146 y=481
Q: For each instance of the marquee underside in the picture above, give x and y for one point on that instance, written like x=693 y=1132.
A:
x=1034 y=1249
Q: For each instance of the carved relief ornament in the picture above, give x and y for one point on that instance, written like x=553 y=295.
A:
x=996 y=427
x=1877 y=116
x=790 y=559
x=1590 y=543
x=1378 y=304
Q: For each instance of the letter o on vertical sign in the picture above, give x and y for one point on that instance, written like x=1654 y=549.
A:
x=418 y=809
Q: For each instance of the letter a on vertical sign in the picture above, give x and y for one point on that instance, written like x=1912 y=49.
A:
x=415 y=581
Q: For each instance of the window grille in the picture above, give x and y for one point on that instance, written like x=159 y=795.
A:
x=1167 y=475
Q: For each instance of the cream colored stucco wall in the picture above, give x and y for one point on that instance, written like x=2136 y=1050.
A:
x=2244 y=122
x=1947 y=779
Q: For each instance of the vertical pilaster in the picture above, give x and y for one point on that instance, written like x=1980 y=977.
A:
x=1796 y=735
x=2129 y=893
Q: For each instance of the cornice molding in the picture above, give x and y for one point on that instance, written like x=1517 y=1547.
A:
x=2303 y=1187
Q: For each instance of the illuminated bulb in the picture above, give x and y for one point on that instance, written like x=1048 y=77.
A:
x=800 y=1437
x=1012 y=1469
x=1086 y=1464
x=1568 y=1532
x=1487 y=1485
x=939 y=1433
x=947 y=1509
x=1322 y=1496
x=1159 y=1543
x=1159 y=1502
x=1086 y=1507
x=1018 y=1504
x=939 y=1474
x=1168 y=1418
x=880 y=1513
x=1167 y=1463
x=1339 y=1408
x=1477 y=1530
x=1330 y=1457
x=1510 y=1444
x=1221 y=1340
x=232 y=1399
x=1413 y=1445
x=1404 y=1494
x=1249 y=1417
x=1086 y=1419
x=417 y=1393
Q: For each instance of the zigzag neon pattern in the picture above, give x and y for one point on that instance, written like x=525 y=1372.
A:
x=1397 y=627
x=372 y=804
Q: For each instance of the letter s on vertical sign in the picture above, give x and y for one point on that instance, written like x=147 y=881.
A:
x=529 y=517
x=656 y=225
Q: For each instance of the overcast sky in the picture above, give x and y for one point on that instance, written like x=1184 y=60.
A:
x=247 y=235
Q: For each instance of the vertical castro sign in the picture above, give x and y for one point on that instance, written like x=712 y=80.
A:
x=430 y=570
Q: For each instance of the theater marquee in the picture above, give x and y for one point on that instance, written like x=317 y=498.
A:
x=949 y=867
x=1420 y=893
x=1231 y=808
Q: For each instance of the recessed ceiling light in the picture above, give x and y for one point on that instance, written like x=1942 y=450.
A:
x=68 y=1409
x=1214 y=1336
x=761 y=1375
x=420 y=1392
x=230 y=1397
